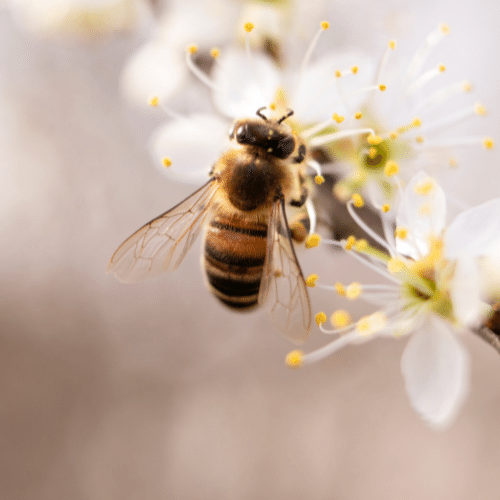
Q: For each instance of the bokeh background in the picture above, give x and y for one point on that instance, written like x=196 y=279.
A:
x=154 y=390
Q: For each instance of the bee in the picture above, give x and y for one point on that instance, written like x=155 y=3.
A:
x=249 y=257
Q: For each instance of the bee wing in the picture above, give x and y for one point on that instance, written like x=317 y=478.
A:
x=161 y=244
x=283 y=291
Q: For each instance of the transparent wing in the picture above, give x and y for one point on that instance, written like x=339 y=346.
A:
x=160 y=245
x=283 y=291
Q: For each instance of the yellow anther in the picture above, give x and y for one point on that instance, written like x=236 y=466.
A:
x=341 y=191
x=272 y=106
x=214 y=52
x=386 y=207
x=351 y=240
x=325 y=25
x=382 y=87
x=466 y=86
x=294 y=359
x=425 y=209
x=488 y=142
x=393 y=135
x=354 y=70
x=353 y=291
x=371 y=324
x=391 y=168
x=372 y=152
x=248 y=27
x=374 y=140
x=358 y=115
x=338 y=73
x=167 y=162
x=311 y=280
x=442 y=68
x=358 y=200
x=444 y=28
x=479 y=109
x=192 y=49
x=419 y=139
x=339 y=288
x=340 y=318
x=452 y=162
x=361 y=245
x=401 y=233
x=313 y=240
x=154 y=101
x=424 y=188
x=320 y=318
x=337 y=118
x=319 y=179
x=359 y=176
x=392 y=44
x=416 y=122
x=395 y=266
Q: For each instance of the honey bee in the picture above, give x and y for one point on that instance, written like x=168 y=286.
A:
x=248 y=257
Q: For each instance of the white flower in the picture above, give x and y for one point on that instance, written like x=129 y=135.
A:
x=435 y=292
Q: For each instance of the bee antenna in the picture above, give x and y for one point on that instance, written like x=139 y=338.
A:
x=283 y=118
x=260 y=114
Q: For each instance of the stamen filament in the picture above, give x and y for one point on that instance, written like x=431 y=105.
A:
x=199 y=74
x=422 y=80
x=335 y=136
x=311 y=212
x=330 y=348
x=452 y=119
x=439 y=96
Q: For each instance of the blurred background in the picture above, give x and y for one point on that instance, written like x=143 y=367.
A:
x=154 y=390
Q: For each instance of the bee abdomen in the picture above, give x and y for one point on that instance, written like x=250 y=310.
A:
x=234 y=256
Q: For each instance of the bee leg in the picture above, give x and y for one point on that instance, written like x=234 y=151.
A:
x=299 y=227
x=304 y=193
x=301 y=154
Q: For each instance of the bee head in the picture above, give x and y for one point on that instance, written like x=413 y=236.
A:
x=266 y=134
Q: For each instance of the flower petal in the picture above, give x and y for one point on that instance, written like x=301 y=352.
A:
x=244 y=84
x=435 y=367
x=422 y=211
x=474 y=230
x=192 y=145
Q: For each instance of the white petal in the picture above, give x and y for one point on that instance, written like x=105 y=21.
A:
x=465 y=290
x=154 y=70
x=424 y=215
x=244 y=84
x=474 y=230
x=435 y=367
x=192 y=144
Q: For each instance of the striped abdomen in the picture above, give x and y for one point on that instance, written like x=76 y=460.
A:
x=235 y=251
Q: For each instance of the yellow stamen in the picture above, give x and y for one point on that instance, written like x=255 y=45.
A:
x=395 y=265
x=319 y=179
x=372 y=152
x=382 y=87
x=479 y=109
x=386 y=207
x=154 y=101
x=294 y=359
x=337 y=118
x=392 y=44
x=444 y=28
x=248 y=27
x=214 y=52
x=340 y=318
x=358 y=115
x=488 y=142
x=401 y=233
x=424 y=188
x=374 y=140
x=351 y=240
x=311 y=280
x=353 y=291
x=371 y=324
x=358 y=200
x=320 y=318
x=354 y=69
x=325 y=25
x=452 y=162
x=425 y=209
x=361 y=245
x=167 y=162
x=419 y=139
x=466 y=86
x=313 y=240
x=192 y=49
x=339 y=288
x=393 y=135
x=442 y=68
x=272 y=106
x=391 y=168
x=338 y=73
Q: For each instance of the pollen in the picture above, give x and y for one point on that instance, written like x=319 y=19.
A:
x=337 y=118
x=272 y=106
x=361 y=245
x=154 y=101
x=294 y=359
x=395 y=266
x=192 y=49
x=372 y=152
x=354 y=70
x=353 y=291
x=391 y=168
x=416 y=122
x=452 y=162
x=214 y=52
x=479 y=109
x=374 y=140
x=338 y=73
x=393 y=135
x=167 y=162
x=358 y=200
x=325 y=25
x=392 y=44
x=313 y=240
x=320 y=318
x=358 y=115
x=441 y=68
x=466 y=86
x=311 y=280
x=401 y=233
x=371 y=324
x=424 y=188
x=339 y=288
x=350 y=242
x=488 y=143
x=444 y=28
x=340 y=318
x=319 y=179
x=425 y=209
x=386 y=207
x=248 y=27
x=382 y=87
x=419 y=139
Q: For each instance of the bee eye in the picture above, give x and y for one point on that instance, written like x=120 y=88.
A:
x=243 y=135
